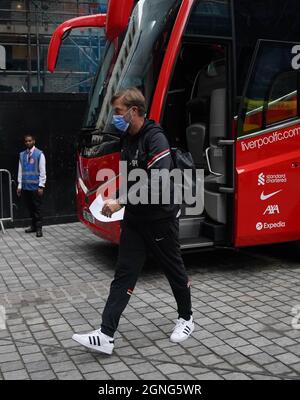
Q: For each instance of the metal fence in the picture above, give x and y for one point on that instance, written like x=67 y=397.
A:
x=6 y=202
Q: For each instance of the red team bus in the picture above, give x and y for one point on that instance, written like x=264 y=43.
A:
x=222 y=78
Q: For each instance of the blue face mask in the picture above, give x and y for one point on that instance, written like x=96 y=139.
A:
x=120 y=123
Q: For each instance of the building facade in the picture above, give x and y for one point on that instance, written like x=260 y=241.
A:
x=49 y=106
x=26 y=27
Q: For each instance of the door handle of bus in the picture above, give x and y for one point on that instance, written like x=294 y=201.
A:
x=208 y=163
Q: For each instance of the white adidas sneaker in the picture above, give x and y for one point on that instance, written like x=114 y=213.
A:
x=182 y=331
x=96 y=340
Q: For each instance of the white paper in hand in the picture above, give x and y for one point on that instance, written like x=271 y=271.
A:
x=96 y=209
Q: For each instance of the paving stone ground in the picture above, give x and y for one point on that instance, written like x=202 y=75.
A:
x=57 y=285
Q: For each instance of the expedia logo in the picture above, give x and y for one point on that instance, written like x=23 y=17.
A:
x=259 y=226
x=269 y=226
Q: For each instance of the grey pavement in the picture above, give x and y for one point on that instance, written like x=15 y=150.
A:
x=57 y=285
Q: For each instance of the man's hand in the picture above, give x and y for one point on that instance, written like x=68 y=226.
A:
x=40 y=191
x=19 y=191
x=110 y=207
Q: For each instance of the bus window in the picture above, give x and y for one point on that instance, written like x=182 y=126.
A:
x=149 y=30
x=101 y=80
x=253 y=120
x=283 y=99
x=138 y=64
x=271 y=95
x=210 y=18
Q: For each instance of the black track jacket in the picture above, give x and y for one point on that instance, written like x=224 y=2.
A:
x=149 y=149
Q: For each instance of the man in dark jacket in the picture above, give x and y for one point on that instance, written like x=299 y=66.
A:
x=31 y=182
x=145 y=228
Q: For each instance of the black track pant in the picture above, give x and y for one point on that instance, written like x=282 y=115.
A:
x=137 y=239
x=33 y=203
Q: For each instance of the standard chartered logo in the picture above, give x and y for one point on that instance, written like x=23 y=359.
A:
x=266 y=179
x=261 y=179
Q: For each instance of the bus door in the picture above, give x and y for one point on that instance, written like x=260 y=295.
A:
x=192 y=101
x=195 y=118
x=268 y=148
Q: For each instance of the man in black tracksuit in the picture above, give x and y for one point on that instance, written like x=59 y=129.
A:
x=145 y=227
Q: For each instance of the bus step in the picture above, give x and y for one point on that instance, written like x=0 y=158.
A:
x=213 y=230
x=194 y=243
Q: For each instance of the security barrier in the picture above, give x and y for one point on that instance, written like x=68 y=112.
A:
x=6 y=203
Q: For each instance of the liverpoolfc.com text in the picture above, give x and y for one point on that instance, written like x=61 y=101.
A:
x=274 y=137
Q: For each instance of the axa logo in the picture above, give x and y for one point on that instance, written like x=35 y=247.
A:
x=264 y=196
x=261 y=179
x=272 y=209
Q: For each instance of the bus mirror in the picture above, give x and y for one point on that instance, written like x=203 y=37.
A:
x=115 y=22
x=61 y=32
x=118 y=14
